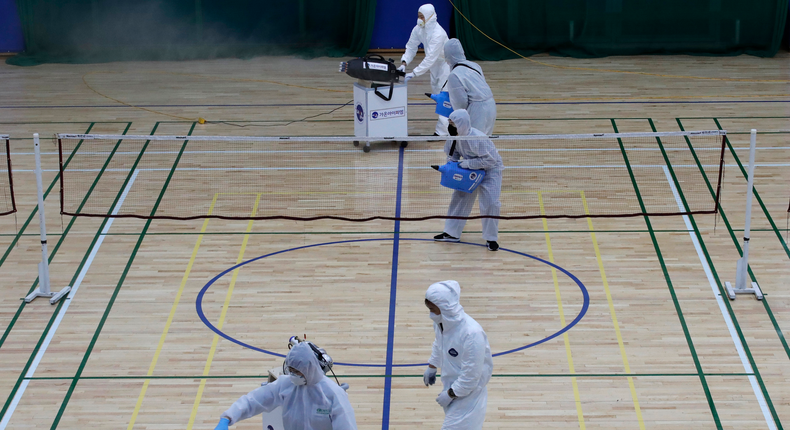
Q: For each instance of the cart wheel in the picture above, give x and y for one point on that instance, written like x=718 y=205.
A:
x=404 y=144
x=366 y=148
x=356 y=143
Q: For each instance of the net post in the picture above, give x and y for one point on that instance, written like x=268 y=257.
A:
x=10 y=173
x=60 y=173
x=43 y=289
x=741 y=275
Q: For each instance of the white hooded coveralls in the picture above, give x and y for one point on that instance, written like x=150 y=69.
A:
x=462 y=352
x=432 y=37
x=477 y=155
x=319 y=405
x=468 y=88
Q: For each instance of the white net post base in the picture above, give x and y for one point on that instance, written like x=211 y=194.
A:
x=742 y=270
x=43 y=289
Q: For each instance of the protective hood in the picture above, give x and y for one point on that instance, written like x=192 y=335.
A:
x=454 y=52
x=446 y=295
x=463 y=123
x=429 y=13
x=302 y=358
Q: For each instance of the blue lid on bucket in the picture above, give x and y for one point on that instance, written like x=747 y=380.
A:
x=443 y=106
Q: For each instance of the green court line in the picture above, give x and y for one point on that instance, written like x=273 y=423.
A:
x=732 y=231
x=381 y=232
x=61 y=239
x=420 y=120
x=111 y=302
x=35 y=209
x=220 y=233
x=65 y=122
x=746 y=349
x=735 y=117
x=28 y=234
x=496 y=375
x=756 y=194
x=60 y=303
x=19 y=234
x=670 y=286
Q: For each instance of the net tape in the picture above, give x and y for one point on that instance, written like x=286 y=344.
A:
x=7 y=201
x=309 y=178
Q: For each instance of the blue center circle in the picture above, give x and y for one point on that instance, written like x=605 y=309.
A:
x=199 y=300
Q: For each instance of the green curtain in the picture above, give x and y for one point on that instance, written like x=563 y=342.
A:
x=86 y=31
x=597 y=28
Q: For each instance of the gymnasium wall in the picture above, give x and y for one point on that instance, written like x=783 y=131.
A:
x=11 y=39
x=395 y=20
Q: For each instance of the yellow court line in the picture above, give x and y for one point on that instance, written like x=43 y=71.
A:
x=222 y=316
x=612 y=312
x=576 y=395
x=170 y=317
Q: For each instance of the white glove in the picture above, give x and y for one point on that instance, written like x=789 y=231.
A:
x=410 y=76
x=429 y=377
x=444 y=399
x=402 y=68
x=463 y=164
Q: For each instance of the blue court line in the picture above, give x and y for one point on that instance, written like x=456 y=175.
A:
x=385 y=414
x=410 y=104
x=199 y=299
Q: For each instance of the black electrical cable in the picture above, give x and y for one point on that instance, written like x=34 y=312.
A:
x=252 y=124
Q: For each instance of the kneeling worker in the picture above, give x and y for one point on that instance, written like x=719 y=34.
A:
x=461 y=350
x=478 y=154
x=468 y=88
x=310 y=400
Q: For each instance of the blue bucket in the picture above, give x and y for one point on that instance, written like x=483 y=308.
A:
x=443 y=106
x=458 y=178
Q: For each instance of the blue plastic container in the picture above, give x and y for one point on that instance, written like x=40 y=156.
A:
x=458 y=178
x=443 y=106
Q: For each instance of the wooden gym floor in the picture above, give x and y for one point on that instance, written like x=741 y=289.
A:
x=658 y=347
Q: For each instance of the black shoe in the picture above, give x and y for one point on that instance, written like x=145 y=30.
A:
x=492 y=245
x=444 y=237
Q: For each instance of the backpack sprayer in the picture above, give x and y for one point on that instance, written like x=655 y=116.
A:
x=376 y=69
x=457 y=178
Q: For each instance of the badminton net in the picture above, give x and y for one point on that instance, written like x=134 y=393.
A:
x=309 y=178
x=7 y=202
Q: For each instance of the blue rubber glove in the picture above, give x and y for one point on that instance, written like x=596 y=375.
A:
x=429 y=377
x=444 y=399
x=223 y=424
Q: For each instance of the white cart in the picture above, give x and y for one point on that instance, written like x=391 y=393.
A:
x=380 y=111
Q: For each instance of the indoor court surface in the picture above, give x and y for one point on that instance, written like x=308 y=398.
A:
x=643 y=340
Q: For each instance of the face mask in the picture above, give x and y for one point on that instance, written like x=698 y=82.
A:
x=452 y=130
x=436 y=318
x=298 y=380
x=421 y=23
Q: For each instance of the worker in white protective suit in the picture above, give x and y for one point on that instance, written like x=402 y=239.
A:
x=468 y=88
x=477 y=154
x=461 y=350
x=432 y=36
x=309 y=399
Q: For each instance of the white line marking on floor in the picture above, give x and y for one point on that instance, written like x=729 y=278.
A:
x=65 y=307
x=747 y=367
